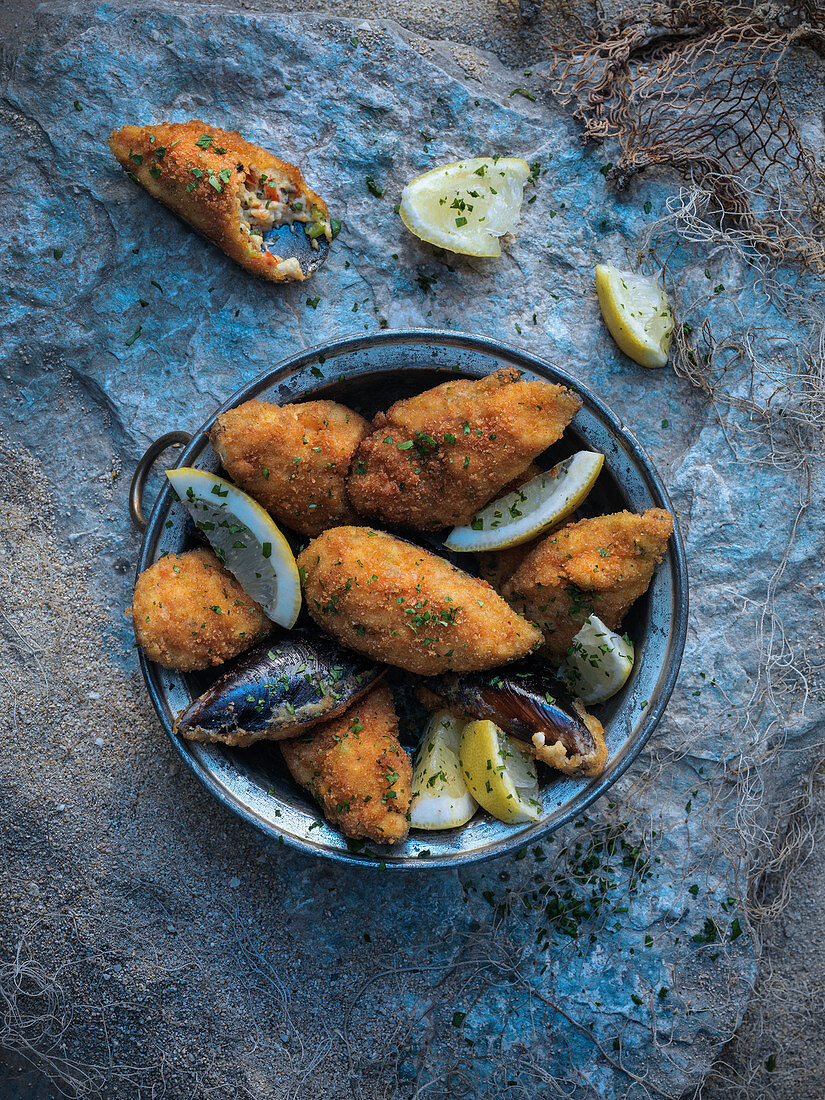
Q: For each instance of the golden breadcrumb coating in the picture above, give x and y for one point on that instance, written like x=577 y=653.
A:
x=598 y=566
x=223 y=186
x=355 y=766
x=189 y=612
x=433 y=460
x=402 y=605
x=292 y=459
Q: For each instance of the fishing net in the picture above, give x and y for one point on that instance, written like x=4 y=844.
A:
x=700 y=88
x=697 y=88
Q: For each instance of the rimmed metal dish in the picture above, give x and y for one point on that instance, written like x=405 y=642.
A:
x=368 y=373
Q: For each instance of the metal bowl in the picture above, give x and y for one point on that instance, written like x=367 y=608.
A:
x=369 y=373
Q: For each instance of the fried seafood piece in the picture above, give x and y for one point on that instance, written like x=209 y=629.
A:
x=292 y=459
x=433 y=460
x=356 y=768
x=189 y=613
x=230 y=190
x=402 y=605
x=596 y=566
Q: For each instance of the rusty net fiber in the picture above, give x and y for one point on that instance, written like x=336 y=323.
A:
x=696 y=88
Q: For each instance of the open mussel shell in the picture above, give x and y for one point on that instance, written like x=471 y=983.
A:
x=284 y=241
x=279 y=689
x=528 y=701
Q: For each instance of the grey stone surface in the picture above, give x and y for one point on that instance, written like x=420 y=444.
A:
x=492 y=25
x=175 y=949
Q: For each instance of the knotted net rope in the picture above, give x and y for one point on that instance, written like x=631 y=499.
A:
x=696 y=87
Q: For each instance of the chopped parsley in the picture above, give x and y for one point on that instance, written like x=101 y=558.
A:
x=207 y=140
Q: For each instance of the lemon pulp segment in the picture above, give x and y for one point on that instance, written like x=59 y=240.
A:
x=440 y=796
x=637 y=313
x=245 y=538
x=520 y=515
x=599 y=662
x=467 y=206
x=501 y=775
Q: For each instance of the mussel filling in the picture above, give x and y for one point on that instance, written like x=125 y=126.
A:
x=269 y=200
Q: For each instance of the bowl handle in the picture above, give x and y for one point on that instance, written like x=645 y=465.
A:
x=145 y=464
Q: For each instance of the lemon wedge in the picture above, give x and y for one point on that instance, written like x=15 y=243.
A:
x=637 y=313
x=501 y=774
x=522 y=514
x=440 y=797
x=599 y=662
x=467 y=206
x=245 y=539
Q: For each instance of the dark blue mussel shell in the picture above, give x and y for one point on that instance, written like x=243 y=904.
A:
x=522 y=699
x=279 y=689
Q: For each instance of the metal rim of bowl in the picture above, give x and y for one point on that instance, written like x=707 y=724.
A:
x=675 y=643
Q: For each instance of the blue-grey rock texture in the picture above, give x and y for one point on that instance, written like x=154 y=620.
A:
x=151 y=945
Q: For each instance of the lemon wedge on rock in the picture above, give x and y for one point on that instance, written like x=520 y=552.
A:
x=599 y=662
x=637 y=313
x=522 y=514
x=245 y=538
x=467 y=206
x=440 y=797
x=501 y=775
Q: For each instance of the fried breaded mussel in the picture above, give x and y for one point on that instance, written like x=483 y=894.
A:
x=597 y=566
x=404 y=606
x=356 y=768
x=434 y=459
x=230 y=190
x=190 y=613
x=293 y=459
